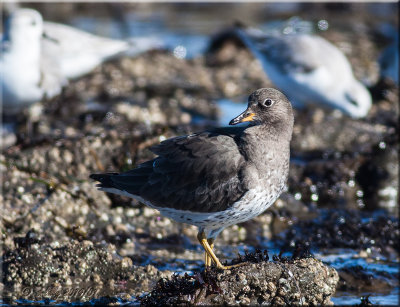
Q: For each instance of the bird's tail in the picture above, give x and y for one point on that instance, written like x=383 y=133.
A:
x=104 y=179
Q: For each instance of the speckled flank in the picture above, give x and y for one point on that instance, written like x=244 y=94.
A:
x=254 y=203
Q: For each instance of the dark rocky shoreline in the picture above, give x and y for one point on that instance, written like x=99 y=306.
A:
x=59 y=233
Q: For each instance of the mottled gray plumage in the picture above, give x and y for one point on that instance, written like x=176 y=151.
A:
x=220 y=177
x=191 y=173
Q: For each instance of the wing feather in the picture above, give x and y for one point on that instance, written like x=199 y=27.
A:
x=199 y=172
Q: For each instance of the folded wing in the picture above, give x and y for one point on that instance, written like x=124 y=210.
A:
x=199 y=172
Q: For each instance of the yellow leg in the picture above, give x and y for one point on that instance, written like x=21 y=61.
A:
x=208 y=259
x=210 y=256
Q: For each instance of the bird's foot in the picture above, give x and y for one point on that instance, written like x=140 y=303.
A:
x=210 y=256
x=229 y=267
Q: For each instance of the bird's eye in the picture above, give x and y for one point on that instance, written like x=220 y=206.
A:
x=268 y=102
x=33 y=23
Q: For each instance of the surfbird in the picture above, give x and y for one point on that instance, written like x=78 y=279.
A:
x=309 y=69
x=216 y=178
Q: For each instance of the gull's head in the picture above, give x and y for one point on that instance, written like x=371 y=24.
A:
x=356 y=100
x=24 y=27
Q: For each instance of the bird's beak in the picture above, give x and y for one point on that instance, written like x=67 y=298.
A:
x=246 y=116
x=46 y=36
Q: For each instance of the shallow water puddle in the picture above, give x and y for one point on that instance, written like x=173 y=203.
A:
x=391 y=299
x=382 y=275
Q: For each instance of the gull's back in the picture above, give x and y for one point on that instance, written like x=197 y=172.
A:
x=78 y=52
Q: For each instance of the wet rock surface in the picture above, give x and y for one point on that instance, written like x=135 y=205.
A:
x=57 y=230
x=74 y=271
x=303 y=281
x=361 y=279
x=343 y=228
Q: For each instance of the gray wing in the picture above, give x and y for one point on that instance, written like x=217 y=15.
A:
x=199 y=172
x=287 y=52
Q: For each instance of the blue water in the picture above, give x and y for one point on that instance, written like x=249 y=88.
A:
x=192 y=35
x=391 y=299
x=228 y=110
x=182 y=43
x=349 y=258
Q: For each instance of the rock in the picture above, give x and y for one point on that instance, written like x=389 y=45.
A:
x=74 y=271
x=363 y=279
x=335 y=228
x=304 y=281
x=53 y=215
x=379 y=176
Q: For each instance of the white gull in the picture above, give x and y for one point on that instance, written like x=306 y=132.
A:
x=309 y=69
x=39 y=57
x=26 y=76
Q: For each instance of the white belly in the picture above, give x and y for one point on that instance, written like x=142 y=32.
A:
x=254 y=203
